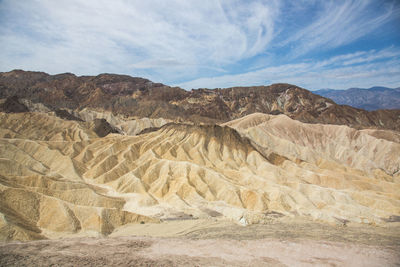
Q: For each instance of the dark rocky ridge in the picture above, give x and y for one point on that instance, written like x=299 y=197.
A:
x=131 y=96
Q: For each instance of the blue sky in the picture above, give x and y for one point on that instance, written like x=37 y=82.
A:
x=209 y=43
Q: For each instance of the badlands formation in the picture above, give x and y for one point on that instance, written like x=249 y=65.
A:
x=65 y=175
x=112 y=165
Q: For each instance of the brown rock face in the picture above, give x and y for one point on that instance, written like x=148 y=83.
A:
x=102 y=128
x=131 y=96
x=63 y=114
x=12 y=105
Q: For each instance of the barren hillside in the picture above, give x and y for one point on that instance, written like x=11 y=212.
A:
x=60 y=177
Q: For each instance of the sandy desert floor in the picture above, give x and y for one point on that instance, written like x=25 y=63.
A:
x=216 y=243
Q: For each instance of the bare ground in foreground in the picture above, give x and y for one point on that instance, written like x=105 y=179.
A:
x=206 y=243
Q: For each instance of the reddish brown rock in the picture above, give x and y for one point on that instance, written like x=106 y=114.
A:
x=132 y=96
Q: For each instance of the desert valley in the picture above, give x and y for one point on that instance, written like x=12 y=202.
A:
x=111 y=158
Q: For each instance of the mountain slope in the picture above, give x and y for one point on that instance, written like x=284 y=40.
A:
x=128 y=96
x=320 y=143
x=373 y=98
x=69 y=181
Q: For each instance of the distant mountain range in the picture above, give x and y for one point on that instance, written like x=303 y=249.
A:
x=138 y=97
x=373 y=98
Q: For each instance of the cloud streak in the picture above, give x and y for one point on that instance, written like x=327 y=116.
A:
x=200 y=42
x=337 y=72
x=180 y=33
x=339 y=23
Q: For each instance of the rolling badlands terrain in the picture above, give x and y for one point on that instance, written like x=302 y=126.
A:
x=87 y=155
x=103 y=159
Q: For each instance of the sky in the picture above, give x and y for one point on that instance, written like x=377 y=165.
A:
x=209 y=43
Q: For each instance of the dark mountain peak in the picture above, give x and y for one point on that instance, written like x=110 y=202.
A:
x=284 y=86
x=62 y=76
x=115 y=78
x=19 y=72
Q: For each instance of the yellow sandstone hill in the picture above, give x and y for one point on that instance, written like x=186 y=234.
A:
x=128 y=126
x=59 y=177
x=366 y=150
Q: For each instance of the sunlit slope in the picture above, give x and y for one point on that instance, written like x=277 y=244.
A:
x=124 y=125
x=42 y=126
x=41 y=189
x=78 y=183
x=128 y=126
x=319 y=144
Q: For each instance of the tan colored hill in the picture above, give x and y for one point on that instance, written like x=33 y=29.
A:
x=43 y=127
x=58 y=177
x=101 y=122
x=128 y=126
x=42 y=192
x=319 y=144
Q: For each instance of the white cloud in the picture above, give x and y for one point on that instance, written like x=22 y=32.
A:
x=339 y=23
x=181 y=40
x=129 y=36
x=382 y=69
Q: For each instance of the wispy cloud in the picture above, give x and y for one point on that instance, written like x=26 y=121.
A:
x=336 y=72
x=65 y=35
x=225 y=42
x=339 y=23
